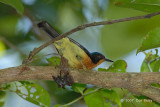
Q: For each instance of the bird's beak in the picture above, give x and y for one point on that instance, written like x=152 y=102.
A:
x=108 y=60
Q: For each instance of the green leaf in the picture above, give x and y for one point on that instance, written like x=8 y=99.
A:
x=152 y=40
x=54 y=61
x=102 y=98
x=2 y=98
x=96 y=99
x=2 y=94
x=157 y=66
x=151 y=60
x=142 y=5
x=15 y=4
x=30 y=92
x=156 y=85
x=111 y=95
x=117 y=66
x=79 y=88
x=37 y=95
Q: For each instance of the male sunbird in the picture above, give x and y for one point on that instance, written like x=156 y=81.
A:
x=77 y=55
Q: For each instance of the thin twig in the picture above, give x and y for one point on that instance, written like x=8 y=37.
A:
x=81 y=27
x=149 y=66
x=80 y=97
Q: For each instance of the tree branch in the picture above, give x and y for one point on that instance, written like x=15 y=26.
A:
x=81 y=27
x=137 y=83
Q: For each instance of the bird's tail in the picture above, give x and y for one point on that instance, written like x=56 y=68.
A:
x=48 y=28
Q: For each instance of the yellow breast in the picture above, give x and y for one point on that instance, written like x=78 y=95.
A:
x=70 y=51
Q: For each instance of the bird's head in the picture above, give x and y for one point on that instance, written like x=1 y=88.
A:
x=98 y=57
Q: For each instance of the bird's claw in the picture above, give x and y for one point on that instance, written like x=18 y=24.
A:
x=62 y=81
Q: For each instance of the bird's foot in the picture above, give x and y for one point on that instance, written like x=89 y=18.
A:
x=64 y=78
x=24 y=68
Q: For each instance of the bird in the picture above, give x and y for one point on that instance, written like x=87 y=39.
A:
x=76 y=54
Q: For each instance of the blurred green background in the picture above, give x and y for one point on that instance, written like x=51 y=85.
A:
x=19 y=35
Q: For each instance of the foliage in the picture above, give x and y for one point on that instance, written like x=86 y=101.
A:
x=142 y=5
x=54 y=61
x=151 y=63
x=117 y=40
x=151 y=40
x=15 y=4
x=100 y=98
x=117 y=66
x=30 y=92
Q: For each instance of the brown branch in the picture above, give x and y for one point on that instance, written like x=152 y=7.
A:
x=152 y=92
x=137 y=83
x=81 y=27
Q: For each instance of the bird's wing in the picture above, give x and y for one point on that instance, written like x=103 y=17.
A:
x=82 y=47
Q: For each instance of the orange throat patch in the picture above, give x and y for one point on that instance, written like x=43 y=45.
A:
x=87 y=62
